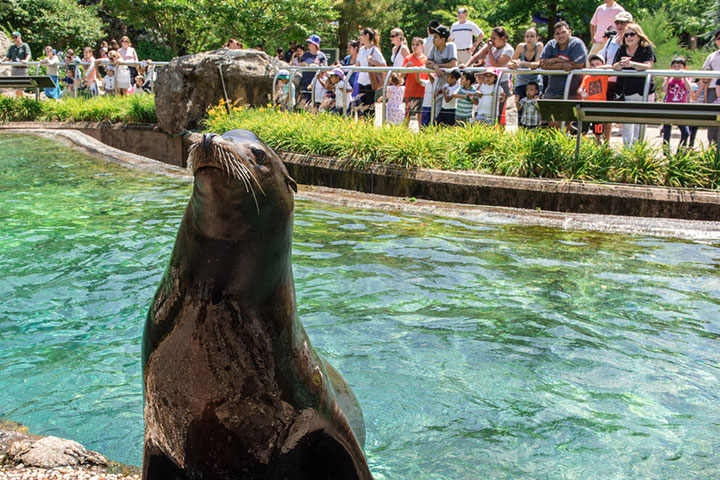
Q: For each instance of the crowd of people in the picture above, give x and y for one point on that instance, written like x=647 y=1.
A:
x=617 y=43
x=114 y=69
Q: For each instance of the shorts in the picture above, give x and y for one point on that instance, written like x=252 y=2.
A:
x=426 y=116
x=482 y=118
x=611 y=91
x=413 y=105
x=597 y=128
x=446 y=117
x=462 y=120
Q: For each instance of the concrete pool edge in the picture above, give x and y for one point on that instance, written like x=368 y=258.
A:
x=697 y=230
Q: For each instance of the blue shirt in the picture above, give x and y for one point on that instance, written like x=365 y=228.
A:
x=317 y=59
x=576 y=52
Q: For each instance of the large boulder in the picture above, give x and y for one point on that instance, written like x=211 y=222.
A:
x=189 y=85
x=5 y=43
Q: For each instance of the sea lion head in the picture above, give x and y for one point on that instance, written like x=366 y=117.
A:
x=241 y=186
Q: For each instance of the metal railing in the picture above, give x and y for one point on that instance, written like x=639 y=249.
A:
x=348 y=70
x=152 y=66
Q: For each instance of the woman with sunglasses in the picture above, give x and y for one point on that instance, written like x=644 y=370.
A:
x=126 y=75
x=712 y=62
x=636 y=53
x=400 y=48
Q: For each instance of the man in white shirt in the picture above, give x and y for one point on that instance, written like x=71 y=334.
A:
x=462 y=33
x=603 y=18
x=428 y=42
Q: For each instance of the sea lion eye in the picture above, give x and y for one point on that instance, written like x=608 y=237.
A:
x=260 y=156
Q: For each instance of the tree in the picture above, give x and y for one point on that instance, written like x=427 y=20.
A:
x=190 y=26
x=59 y=23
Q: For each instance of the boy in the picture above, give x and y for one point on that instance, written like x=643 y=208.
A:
x=465 y=99
x=70 y=82
x=527 y=107
x=449 y=101
x=594 y=88
x=109 y=81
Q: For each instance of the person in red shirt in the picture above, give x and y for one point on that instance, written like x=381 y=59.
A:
x=414 y=90
x=594 y=88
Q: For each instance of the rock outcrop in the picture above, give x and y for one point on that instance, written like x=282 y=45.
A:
x=189 y=85
x=51 y=452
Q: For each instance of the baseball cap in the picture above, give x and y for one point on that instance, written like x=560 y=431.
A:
x=624 y=17
x=283 y=74
x=491 y=70
x=15 y=34
x=443 y=31
x=314 y=39
x=339 y=73
x=596 y=56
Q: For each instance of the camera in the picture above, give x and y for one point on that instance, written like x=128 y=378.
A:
x=610 y=32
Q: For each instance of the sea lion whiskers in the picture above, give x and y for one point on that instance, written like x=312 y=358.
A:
x=238 y=170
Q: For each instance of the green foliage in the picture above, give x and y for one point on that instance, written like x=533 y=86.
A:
x=546 y=153
x=128 y=109
x=146 y=50
x=59 y=23
x=191 y=26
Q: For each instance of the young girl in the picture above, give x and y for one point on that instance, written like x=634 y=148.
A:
x=395 y=107
x=677 y=90
x=53 y=63
x=485 y=94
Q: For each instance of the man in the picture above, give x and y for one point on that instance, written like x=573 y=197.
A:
x=428 y=43
x=290 y=51
x=462 y=33
x=563 y=52
x=442 y=55
x=712 y=62
x=604 y=17
x=19 y=51
x=313 y=56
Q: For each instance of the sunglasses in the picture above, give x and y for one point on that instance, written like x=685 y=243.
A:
x=620 y=22
x=629 y=34
x=393 y=35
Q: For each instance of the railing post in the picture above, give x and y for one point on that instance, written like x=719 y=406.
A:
x=646 y=93
x=496 y=101
x=566 y=93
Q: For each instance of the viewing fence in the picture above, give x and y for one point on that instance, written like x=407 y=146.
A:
x=647 y=74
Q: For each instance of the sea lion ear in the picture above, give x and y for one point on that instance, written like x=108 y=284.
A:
x=292 y=183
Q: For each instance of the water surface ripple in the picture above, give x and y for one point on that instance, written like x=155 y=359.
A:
x=477 y=351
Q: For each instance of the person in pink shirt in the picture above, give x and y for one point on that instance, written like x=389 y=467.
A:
x=603 y=18
x=677 y=90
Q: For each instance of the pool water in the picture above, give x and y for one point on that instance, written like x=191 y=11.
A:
x=476 y=351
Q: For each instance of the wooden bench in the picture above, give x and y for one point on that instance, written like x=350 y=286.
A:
x=34 y=82
x=650 y=113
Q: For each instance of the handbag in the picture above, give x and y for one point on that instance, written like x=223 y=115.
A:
x=377 y=79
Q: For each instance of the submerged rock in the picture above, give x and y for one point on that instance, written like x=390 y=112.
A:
x=187 y=86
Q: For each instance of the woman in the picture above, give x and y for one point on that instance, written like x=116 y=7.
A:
x=497 y=53
x=414 y=89
x=279 y=54
x=712 y=62
x=400 y=48
x=525 y=53
x=636 y=53
x=53 y=66
x=369 y=55
x=126 y=74
x=353 y=48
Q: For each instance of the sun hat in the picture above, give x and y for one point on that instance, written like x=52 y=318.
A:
x=624 y=17
x=339 y=73
x=596 y=56
x=313 y=39
x=491 y=70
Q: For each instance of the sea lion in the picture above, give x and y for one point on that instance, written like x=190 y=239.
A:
x=233 y=389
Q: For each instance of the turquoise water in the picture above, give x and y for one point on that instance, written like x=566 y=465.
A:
x=477 y=351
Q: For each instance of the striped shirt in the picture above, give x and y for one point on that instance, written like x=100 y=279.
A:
x=464 y=105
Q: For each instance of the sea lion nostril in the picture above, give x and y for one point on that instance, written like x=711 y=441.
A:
x=208 y=140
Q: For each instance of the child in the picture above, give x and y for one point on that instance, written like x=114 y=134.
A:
x=465 y=99
x=698 y=94
x=109 y=81
x=428 y=84
x=594 y=88
x=677 y=90
x=395 y=106
x=89 y=87
x=70 y=82
x=286 y=98
x=527 y=107
x=343 y=90
x=320 y=89
x=139 y=83
x=485 y=93
x=449 y=102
